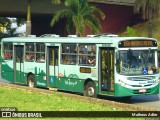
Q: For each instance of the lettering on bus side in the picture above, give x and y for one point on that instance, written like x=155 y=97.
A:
x=85 y=70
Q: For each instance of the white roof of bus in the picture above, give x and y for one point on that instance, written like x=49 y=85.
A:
x=72 y=39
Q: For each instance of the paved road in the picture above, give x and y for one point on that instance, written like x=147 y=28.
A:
x=147 y=101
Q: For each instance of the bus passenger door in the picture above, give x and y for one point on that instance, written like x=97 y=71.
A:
x=18 y=64
x=106 y=70
x=52 y=66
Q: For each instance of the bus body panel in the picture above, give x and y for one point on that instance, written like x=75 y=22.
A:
x=7 y=70
x=123 y=91
x=72 y=79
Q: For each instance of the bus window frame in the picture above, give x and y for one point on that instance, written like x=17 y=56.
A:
x=8 y=52
x=88 y=53
x=31 y=59
x=39 y=59
x=69 y=55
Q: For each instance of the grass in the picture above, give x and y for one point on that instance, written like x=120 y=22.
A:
x=30 y=101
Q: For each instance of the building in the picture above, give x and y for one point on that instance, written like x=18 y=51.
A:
x=119 y=14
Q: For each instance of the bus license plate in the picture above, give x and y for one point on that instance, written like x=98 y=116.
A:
x=142 y=90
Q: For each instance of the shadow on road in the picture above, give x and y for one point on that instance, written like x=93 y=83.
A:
x=134 y=99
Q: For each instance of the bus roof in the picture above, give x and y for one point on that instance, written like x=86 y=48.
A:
x=96 y=40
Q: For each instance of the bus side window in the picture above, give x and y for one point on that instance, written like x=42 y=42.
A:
x=29 y=53
x=87 y=54
x=40 y=52
x=7 y=51
x=69 y=54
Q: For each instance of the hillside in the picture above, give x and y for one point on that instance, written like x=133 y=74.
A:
x=141 y=29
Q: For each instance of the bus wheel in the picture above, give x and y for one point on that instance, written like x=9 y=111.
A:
x=30 y=80
x=90 y=90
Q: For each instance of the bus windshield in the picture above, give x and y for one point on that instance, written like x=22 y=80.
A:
x=136 y=62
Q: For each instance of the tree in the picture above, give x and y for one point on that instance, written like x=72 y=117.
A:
x=6 y=29
x=79 y=15
x=149 y=9
x=5 y=23
x=20 y=21
x=11 y=32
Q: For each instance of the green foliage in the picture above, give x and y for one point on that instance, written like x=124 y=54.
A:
x=56 y=1
x=12 y=32
x=131 y=32
x=5 y=23
x=79 y=15
x=20 y=21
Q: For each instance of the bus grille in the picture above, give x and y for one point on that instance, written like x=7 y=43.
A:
x=141 y=78
x=141 y=85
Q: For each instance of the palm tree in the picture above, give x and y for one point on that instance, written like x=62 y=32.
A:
x=79 y=15
x=28 y=22
x=149 y=9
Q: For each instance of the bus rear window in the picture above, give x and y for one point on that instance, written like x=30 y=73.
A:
x=7 y=51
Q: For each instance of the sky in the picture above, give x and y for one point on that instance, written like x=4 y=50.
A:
x=21 y=29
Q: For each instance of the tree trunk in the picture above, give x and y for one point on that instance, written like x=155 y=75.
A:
x=28 y=23
x=28 y=28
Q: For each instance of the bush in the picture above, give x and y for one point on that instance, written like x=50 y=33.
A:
x=131 y=32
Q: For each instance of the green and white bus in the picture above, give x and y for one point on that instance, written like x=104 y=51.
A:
x=114 y=66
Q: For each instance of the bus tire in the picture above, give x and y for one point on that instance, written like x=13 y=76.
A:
x=30 y=80
x=90 y=90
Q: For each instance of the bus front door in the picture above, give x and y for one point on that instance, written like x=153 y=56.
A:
x=52 y=66
x=106 y=71
x=18 y=64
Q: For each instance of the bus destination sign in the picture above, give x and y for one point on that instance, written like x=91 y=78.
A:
x=138 y=43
